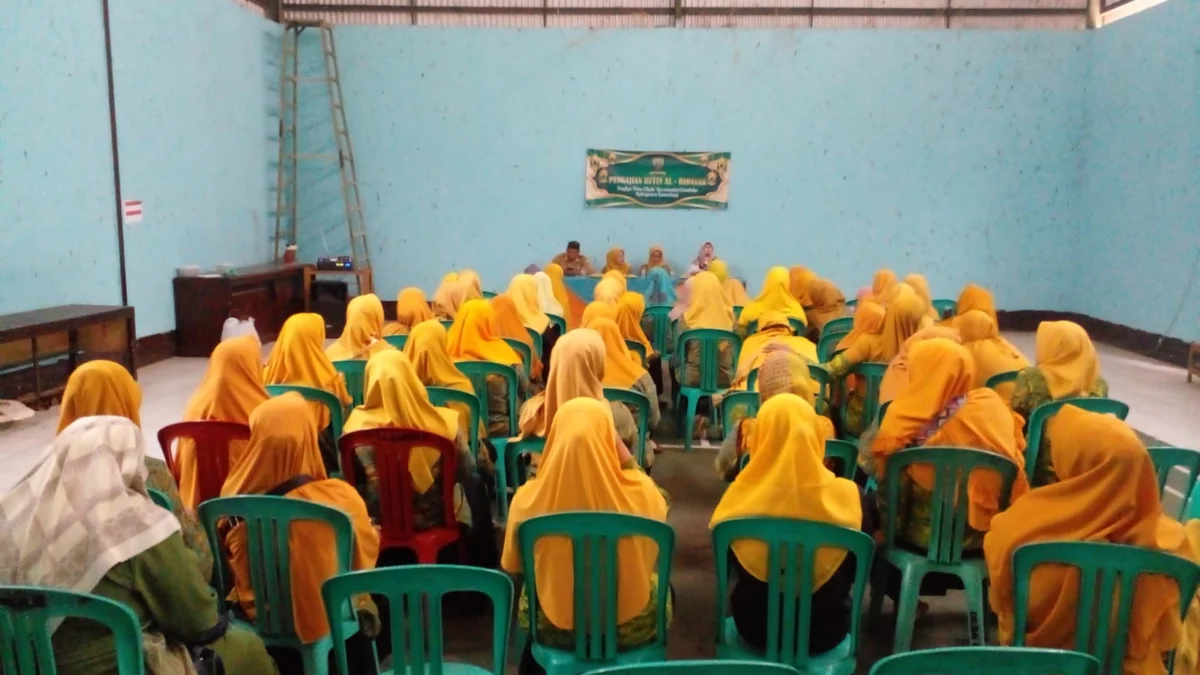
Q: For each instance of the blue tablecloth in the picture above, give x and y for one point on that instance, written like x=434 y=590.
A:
x=584 y=286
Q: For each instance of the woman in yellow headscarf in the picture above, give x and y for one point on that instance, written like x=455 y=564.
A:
x=231 y=390
x=940 y=408
x=395 y=398
x=868 y=320
x=773 y=329
x=470 y=285
x=615 y=262
x=992 y=354
x=1107 y=492
x=620 y=279
x=895 y=380
x=523 y=292
x=788 y=479
x=631 y=309
x=580 y=472
x=298 y=358
x=735 y=292
x=623 y=368
x=426 y=351
x=920 y=284
x=506 y=323
x=472 y=338
x=608 y=291
x=597 y=310
x=106 y=388
x=656 y=258
x=363 y=335
x=443 y=302
x=411 y=309
x=975 y=297
x=1067 y=367
x=572 y=304
x=828 y=304
x=282 y=459
x=703 y=305
x=775 y=296
x=799 y=277
x=883 y=286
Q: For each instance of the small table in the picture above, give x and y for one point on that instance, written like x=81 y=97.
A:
x=24 y=377
x=1193 y=365
x=366 y=283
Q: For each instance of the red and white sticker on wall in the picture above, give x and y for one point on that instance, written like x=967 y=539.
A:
x=133 y=210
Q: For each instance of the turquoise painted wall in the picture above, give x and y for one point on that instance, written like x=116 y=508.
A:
x=954 y=153
x=1140 y=230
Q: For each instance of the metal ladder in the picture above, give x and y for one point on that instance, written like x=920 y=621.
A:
x=290 y=157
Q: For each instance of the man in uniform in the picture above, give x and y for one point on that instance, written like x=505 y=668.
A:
x=573 y=264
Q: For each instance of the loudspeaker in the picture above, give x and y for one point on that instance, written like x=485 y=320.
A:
x=329 y=299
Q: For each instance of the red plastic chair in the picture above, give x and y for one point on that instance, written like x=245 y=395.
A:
x=396 y=493
x=212 y=465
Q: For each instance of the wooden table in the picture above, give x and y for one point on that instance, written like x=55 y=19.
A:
x=366 y=282
x=35 y=345
x=269 y=294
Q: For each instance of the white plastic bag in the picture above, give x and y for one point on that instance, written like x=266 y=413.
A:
x=235 y=327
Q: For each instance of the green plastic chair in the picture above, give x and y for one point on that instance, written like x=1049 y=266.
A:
x=415 y=594
x=798 y=327
x=709 y=341
x=752 y=380
x=478 y=372
x=852 y=304
x=639 y=349
x=525 y=351
x=397 y=341
x=945 y=307
x=1167 y=458
x=659 y=335
x=792 y=545
x=595 y=583
x=160 y=498
x=948 y=522
x=558 y=321
x=354 y=370
x=446 y=323
x=1100 y=566
x=268 y=521
x=988 y=661
x=1043 y=413
x=731 y=402
x=330 y=401
x=873 y=374
x=702 y=667
x=839 y=325
x=828 y=344
x=821 y=375
x=25 y=616
x=488 y=295
x=536 y=337
x=845 y=451
x=512 y=468
x=1001 y=378
x=642 y=404
x=737 y=312
x=444 y=396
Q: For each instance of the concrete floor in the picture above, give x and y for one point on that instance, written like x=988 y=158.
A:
x=1163 y=406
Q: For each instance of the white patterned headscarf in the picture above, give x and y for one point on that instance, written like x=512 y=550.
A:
x=82 y=510
x=545 y=295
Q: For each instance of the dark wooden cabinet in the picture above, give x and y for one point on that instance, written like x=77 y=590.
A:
x=267 y=293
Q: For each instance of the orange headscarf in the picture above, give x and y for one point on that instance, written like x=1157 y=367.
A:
x=920 y=284
x=580 y=472
x=443 y=302
x=735 y=292
x=992 y=354
x=611 y=264
x=828 y=303
x=868 y=320
x=942 y=379
x=976 y=297
x=298 y=358
x=283 y=444
x=363 y=335
x=411 y=309
x=622 y=368
x=232 y=388
x=629 y=318
x=799 y=277
x=522 y=290
x=883 y=286
x=1107 y=492
x=572 y=304
x=895 y=379
x=576 y=371
x=100 y=388
x=472 y=337
x=1066 y=357
x=597 y=310
x=904 y=316
x=506 y=323
x=426 y=351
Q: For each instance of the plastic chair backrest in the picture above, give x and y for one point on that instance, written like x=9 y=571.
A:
x=845 y=451
x=873 y=374
x=488 y=295
x=268 y=521
x=160 y=498
x=329 y=400
x=839 y=325
x=639 y=349
x=709 y=341
x=446 y=323
x=949 y=503
x=478 y=372
x=594 y=537
x=752 y=380
x=513 y=451
x=798 y=327
x=525 y=351
x=354 y=371
x=828 y=343
x=1167 y=458
x=639 y=401
x=883 y=408
x=792 y=545
x=659 y=334
x=397 y=341
x=703 y=667
x=1043 y=413
x=211 y=467
x=730 y=402
x=397 y=516
x=1103 y=568
x=25 y=614
x=945 y=308
x=737 y=312
x=988 y=661
x=536 y=338
x=558 y=321
x=852 y=304
x=444 y=396
x=415 y=594
x=1001 y=378
x=821 y=375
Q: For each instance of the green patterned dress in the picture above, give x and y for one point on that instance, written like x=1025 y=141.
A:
x=1031 y=391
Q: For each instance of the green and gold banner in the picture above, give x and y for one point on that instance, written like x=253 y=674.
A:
x=657 y=180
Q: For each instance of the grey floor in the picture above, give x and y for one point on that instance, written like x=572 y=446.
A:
x=1163 y=407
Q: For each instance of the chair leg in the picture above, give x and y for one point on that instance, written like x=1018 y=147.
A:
x=687 y=422
x=501 y=479
x=879 y=578
x=906 y=607
x=972 y=578
x=316 y=660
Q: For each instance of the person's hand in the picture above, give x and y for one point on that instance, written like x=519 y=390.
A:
x=623 y=454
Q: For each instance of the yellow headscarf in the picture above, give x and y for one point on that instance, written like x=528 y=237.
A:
x=426 y=351
x=783 y=372
x=662 y=261
x=622 y=368
x=868 y=320
x=555 y=272
x=920 y=284
x=597 y=310
x=443 y=301
x=619 y=278
x=607 y=291
x=298 y=358
x=363 y=335
x=471 y=337
x=506 y=323
x=611 y=264
x=576 y=371
x=100 y=388
x=799 y=277
x=828 y=303
x=979 y=419
x=992 y=354
x=523 y=291
x=283 y=445
x=232 y=388
x=411 y=309
x=735 y=292
x=773 y=328
x=1066 y=357
x=1107 y=492
x=629 y=318
x=774 y=296
x=547 y=296
x=895 y=379
x=976 y=297
x=706 y=306
x=883 y=286
x=905 y=316
x=720 y=269
x=470 y=285
x=580 y=472
x=396 y=398
x=788 y=479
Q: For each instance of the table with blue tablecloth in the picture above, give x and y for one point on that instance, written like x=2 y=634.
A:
x=585 y=286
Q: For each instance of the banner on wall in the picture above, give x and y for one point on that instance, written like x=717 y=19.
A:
x=657 y=180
